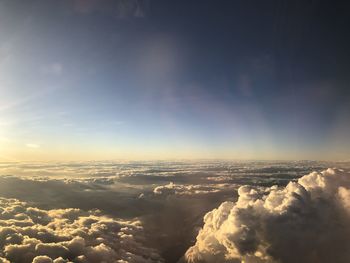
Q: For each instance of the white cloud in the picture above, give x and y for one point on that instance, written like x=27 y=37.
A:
x=190 y=189
x=42 y=259
x=307 y=221
x=33 y=145
x=116 y=187
x=29 y=234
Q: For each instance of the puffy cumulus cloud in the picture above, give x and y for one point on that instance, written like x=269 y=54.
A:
x=42 y=259
x=308 y=221
x=29 y=234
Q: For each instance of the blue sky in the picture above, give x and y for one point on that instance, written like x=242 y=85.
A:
x=155 y=79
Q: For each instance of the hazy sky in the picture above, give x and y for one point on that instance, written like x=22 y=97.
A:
x=174 y=79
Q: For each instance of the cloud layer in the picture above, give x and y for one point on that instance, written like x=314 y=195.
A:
x=180 y=189
x=29 y=234
x=308 y=221
x=169 y=198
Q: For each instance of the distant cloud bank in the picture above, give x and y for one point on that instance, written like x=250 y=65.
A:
x=180 y=189
x=306 y=221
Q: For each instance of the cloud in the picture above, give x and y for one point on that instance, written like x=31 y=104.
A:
x=170 y=220
x=42 y=259
x=33 y=145
x=179 y=189
x=307 y=221
x=30 y=234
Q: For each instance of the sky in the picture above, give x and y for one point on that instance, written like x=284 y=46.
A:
x=94 y=80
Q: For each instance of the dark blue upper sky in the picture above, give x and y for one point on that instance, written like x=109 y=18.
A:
x=174 y=79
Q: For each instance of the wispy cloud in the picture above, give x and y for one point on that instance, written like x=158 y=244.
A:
x=33 y=145
x=23 y=100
